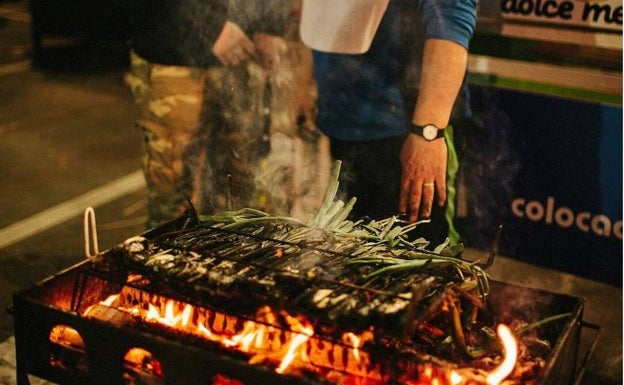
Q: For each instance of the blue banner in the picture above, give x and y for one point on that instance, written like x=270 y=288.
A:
x=549 y=170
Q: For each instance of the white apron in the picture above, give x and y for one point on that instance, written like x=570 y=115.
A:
x=341 y=26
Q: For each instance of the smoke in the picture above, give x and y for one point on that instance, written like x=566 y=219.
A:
x=515 y=302
x=200 y=24
x=294 y=175
x=260 y=15
x=489 y=166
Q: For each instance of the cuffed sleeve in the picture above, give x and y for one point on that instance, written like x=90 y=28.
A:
x=453 y=20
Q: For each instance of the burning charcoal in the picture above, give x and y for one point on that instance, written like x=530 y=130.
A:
x=111 y=315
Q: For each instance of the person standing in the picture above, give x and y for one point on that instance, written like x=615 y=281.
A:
x=199 y=72
x=387 y=111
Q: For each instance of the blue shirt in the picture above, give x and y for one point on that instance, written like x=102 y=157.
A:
x=360 y=96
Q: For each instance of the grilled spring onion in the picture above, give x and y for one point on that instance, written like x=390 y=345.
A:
x=383 y=243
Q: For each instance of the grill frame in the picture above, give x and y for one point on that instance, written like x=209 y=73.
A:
x=53 y=302
x=36 y=312
x=188 y=364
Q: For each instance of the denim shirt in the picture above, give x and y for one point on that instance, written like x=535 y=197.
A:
x=364 y=97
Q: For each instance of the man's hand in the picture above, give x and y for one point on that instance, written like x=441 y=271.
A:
x=423 y=174
x=233 y=46
x=424 y=162
x=270 y=48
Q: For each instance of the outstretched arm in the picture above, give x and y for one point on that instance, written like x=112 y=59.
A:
x=424 y=162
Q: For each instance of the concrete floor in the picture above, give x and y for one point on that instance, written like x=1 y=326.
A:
x=67 y=141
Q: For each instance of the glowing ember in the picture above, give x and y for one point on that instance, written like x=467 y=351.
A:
x=265 y=338
x=496 y=376
x=456 y=378
x=356 y=342
x=289 y=343
x=223 y=380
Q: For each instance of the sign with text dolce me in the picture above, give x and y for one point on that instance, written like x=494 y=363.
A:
x=593 y=14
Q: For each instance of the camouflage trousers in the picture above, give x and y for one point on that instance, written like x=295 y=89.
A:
x=204 y=130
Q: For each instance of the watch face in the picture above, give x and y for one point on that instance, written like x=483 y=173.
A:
x=430 y=132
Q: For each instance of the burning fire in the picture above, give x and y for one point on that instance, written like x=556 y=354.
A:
x=290 y=345
x=271 y=337
x=498 y=374
x=511 y=354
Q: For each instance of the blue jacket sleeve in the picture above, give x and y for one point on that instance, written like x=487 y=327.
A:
x=453 y=20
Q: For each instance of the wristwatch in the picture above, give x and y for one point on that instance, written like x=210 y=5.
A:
x=428 y=131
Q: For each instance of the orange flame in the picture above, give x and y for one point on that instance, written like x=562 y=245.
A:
x=303 y=332
x=294 y=347
x=259 y=337
x=463 y=376
x=496 y=376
